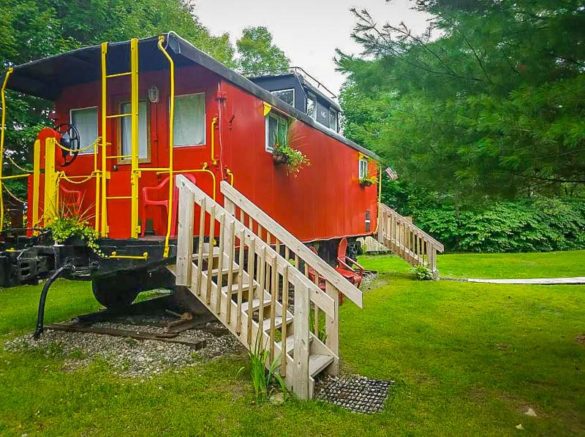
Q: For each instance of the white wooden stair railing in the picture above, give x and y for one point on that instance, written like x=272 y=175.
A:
x=254 y=291
x=406 y=240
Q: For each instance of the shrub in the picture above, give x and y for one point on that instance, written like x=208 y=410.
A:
x=540 y=224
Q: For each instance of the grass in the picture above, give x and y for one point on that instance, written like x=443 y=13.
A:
x=494 y=265
x=466 y=358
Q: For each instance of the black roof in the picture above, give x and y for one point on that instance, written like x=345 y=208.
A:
x=47 y=77
x=305 y=83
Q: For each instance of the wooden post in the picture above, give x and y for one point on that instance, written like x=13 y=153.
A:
x=301 y=328
x=185 y=237
x=332 y=328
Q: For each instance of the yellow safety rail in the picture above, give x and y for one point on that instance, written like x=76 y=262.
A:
x=161 y=40
x=135 y=176
x=103 y=174
x=2 y=134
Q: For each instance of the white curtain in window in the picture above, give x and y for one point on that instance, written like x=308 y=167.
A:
x=126 y=133
x=86 y=122
x=189 y=125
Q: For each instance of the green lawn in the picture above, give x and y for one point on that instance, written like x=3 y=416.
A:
x=467 y=359
x=493 y=265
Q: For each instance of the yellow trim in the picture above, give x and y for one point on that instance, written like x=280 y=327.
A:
x=135 y=175
x=267 y=108
x=2 y=133
x=51 y=182
x=36 y=183
x=203 y=169
x=101 y=217
x=161 y=40
x=15 y=176
x=114 y=255
x=213 y=126
x=231 y=175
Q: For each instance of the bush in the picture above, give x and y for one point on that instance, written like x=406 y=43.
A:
x=541 y=224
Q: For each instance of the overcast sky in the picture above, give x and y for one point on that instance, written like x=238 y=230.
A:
x=308 y=31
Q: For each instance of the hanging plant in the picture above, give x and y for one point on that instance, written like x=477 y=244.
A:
x=367 y=181
x=284 y=154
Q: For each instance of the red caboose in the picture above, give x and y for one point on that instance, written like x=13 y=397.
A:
x=131 y=116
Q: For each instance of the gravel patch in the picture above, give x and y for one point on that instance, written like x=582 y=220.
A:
x=127 y=356
x=355 y=393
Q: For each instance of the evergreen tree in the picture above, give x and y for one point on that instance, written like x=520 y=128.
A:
x=488 y=102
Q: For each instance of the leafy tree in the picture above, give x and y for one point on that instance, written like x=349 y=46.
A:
x=487 y=103
x=258 y=56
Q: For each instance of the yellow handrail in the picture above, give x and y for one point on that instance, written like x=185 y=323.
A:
x=101 y=205
x=161 y=40
x=213 y=127
x=135 y=176
x=2 y=133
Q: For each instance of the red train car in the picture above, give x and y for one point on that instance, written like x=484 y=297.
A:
x=114 y=159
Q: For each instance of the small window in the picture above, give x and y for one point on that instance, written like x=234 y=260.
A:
x=276 y=127
x=363 y=168
x=287 y=96
x=311 y=106
x=333 y=120
x=322 y=114
x=189 y=124
x=126 y=131
x=86 y=122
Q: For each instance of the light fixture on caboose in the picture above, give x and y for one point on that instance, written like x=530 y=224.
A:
x=153 y=94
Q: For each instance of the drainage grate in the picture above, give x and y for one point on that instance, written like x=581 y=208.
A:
x=354 y=393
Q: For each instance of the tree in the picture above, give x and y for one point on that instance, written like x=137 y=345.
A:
x=487 y=103
x=258 y=56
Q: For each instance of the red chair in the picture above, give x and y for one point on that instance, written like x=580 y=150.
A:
x=70 y=200
x=148 y=201
x=347 y=267
x=313 y=275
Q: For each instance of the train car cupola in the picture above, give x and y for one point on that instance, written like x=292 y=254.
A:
x=303 y=92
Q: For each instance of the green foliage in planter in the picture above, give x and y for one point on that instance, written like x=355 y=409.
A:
x=72 y=223
x=294 y=159
x=367 y=181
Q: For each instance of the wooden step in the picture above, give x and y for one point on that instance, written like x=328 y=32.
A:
x=290 y=344
x=319 y=362
x=277 y=322
x=255 y=304
x=235 y=288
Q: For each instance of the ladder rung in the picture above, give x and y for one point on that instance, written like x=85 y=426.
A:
x=128 y=114
x=118 y=156
x=118 y=197
x=109 y=76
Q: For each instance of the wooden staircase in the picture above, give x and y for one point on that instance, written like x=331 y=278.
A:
x=254 y=278
x=406 y=240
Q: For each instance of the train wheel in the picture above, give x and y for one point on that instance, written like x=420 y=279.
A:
x=117 y=291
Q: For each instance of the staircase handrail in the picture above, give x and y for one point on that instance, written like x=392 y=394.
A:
x=412 y=227
x=324 y=270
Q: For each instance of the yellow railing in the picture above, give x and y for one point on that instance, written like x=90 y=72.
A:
x=2 y=138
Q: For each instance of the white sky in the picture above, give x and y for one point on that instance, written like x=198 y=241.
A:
x=308 y=31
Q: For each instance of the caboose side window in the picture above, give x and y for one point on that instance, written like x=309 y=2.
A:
x=189 y=125
x=86 y=122
x=126 y=131
x=363 y=168
x=276 y=127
